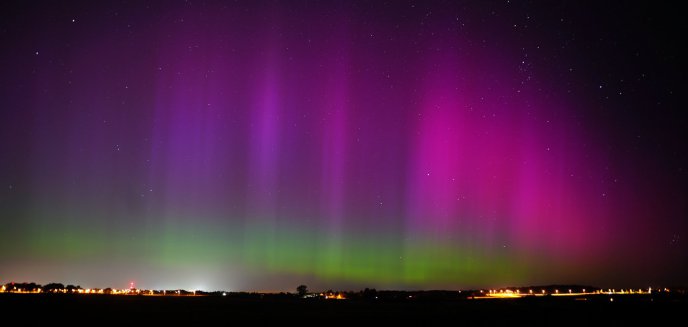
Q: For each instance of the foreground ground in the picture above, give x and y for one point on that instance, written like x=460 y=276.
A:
x=99 y=309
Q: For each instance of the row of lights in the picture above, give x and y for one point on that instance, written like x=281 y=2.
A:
x=517 y=293
x=4 y=289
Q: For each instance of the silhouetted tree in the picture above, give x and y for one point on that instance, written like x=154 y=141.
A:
x=302 y=290
x=72 y=288
x=369 y=293
x=24 y=287
x=53 y=287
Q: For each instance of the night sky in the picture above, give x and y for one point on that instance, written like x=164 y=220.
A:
x=343 y=144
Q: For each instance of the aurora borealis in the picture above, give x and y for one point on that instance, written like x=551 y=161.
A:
x=405 y=145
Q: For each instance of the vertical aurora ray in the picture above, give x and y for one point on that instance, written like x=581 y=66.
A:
x=264 y=145
x=335 y=151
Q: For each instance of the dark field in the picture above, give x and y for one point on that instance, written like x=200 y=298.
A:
x=534 y=311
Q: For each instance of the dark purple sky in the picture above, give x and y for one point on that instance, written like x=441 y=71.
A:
x=261 y=145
